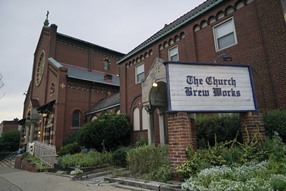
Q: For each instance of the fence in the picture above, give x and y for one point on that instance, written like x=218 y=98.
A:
x=47 y=153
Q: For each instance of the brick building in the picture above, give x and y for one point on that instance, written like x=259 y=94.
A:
x=69 y=77
x=9 y=125
x=250 y=31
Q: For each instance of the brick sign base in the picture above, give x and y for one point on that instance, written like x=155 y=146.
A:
x=182 y=133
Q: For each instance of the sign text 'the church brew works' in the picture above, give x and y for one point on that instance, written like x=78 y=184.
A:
x=197 y=87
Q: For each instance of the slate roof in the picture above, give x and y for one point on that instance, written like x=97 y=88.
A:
x=84 y=74
x=107 y=103
x=92 y=76
x=202 y=8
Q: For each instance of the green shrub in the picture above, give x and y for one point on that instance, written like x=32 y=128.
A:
x=108 y=132
x=150 y=161
x=90 y=159
x=141 y=142
x=162 y=174
x=233 y=153
x=40 y=165
x=278 y=181
x=10 y=140
x=252 y=176
x=71 y=148
x=275 y=121
x=119 y=157
x=277 y=155
x=71 y=138
x=212 y=129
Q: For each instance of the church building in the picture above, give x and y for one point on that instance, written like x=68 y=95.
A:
x=73 y=81
x=70 y=76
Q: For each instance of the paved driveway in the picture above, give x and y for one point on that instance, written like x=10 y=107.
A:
x=19 y=180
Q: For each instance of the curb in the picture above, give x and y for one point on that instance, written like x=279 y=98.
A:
x=151 y=185
x=87 y=176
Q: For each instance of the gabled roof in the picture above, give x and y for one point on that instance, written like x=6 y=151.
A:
x=83 y=74
x=173 y=26
x=107 y=103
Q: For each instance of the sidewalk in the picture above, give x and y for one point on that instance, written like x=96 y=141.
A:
x=127 y=182
x=18 y=180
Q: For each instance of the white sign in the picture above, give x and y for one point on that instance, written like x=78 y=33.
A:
x=198 y=87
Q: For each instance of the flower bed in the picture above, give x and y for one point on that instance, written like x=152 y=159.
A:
x=252 y=166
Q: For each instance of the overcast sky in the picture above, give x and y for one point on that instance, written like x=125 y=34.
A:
x=119 y=25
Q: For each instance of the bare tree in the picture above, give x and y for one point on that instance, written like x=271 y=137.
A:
x=1 y=85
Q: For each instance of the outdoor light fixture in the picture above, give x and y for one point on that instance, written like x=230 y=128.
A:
x=224 y=57
x=155 y=84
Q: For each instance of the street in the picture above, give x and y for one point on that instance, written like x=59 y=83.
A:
x=19 y=180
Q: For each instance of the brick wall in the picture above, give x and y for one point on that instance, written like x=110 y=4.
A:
x=252 y=127
x=273 y=32
x=182 y=133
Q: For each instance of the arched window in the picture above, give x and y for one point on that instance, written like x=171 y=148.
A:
x=106 y=64
x=136 y=119
x=76 y=115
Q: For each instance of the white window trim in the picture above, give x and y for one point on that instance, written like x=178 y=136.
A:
x=145 y=119
x=136 y=74
x=169 y=50
x=215 y=36
x=136 y=119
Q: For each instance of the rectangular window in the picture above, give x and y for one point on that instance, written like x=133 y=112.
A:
x=139 y=73
x=224 y=35
x=174 y=54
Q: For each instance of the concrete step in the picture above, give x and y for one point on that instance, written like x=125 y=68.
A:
x=125 y=187
x=8 y=161
x=142 y=184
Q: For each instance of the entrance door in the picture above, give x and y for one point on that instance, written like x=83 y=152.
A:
x=158 y=102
